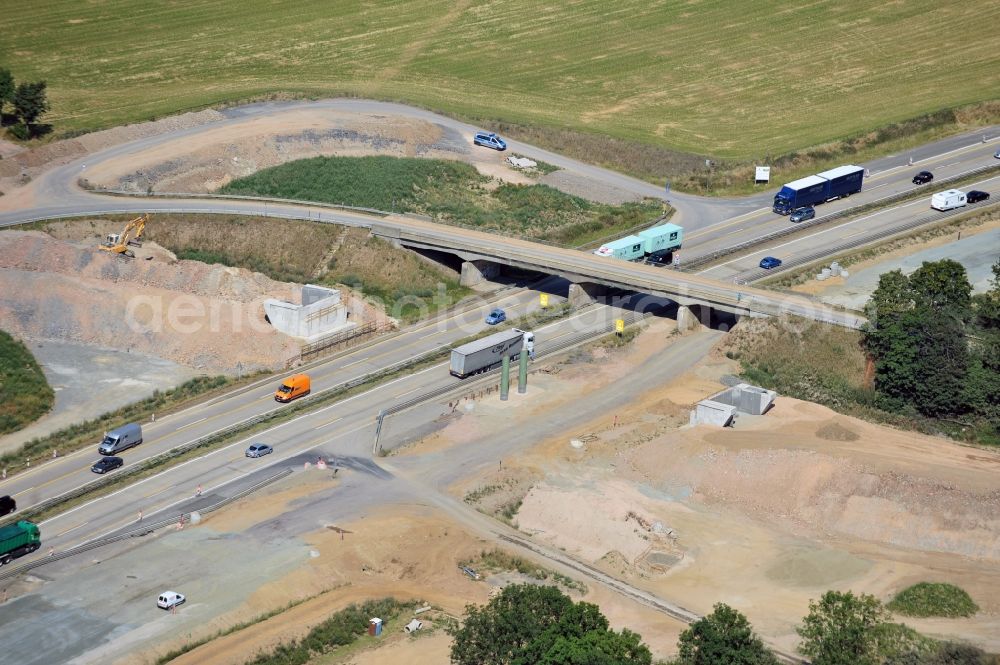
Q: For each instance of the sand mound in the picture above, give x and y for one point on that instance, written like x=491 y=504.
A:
x=204 y=316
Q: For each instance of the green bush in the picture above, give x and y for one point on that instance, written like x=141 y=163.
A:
x=25 y=395
x=341 y=629
x=933 y=599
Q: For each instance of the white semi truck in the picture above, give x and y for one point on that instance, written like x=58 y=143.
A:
x=484 y=354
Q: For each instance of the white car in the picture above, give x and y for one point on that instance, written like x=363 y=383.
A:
x=170 y=599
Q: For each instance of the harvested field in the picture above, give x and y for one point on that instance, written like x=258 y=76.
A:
x=697 y=77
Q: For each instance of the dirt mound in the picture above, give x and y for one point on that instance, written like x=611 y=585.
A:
x=204 y=316
x=834 y=431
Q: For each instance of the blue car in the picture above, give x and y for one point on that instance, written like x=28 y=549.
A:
x=496 y=316
x=490 y=140
x=769 y=262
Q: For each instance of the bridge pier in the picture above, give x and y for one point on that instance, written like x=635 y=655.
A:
x=686 y=318
x=477 y=272
x=585 y=293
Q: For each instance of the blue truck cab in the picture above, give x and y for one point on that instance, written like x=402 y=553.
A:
x=808 y=191
x=800 y=193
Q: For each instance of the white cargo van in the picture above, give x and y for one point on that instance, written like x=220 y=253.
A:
x=948 y=200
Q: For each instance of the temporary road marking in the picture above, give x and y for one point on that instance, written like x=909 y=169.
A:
x=359 y=360
x=407 y=392
x=200 y=420
x=70 y=529
x=329 y=422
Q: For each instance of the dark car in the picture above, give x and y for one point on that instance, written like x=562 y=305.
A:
x=802 y=214
x=489 y=140
x=976 y=195
x=106 y=464
x=496 y=316
x=7 y=505
x=923 y=178
x=769 y=262
x=259 y=450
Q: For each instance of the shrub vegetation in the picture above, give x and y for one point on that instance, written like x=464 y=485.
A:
x=25 y=394
x=933 y=599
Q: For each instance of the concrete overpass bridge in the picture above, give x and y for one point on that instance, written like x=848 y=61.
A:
x=484 y=255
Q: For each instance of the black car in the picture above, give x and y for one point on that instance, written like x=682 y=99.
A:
x=975 y=196
x=923 y=178
x=7 y=505
x=106 y=464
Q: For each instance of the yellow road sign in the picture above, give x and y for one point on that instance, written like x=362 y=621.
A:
x=619 y=325
x=544 y=299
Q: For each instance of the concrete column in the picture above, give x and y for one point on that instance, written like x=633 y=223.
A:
x=477 y=272
x=686 y=319
x=585 y=293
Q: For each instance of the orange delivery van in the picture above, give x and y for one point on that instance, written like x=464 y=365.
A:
x=292 y=387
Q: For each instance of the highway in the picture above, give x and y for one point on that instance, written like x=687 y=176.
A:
x=880 y=184
x=745 y=266
x=345 y=427
x=54 y=477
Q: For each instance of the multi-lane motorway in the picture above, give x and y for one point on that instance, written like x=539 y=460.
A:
x=346 y=425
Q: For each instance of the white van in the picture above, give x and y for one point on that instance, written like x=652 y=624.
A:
x=948 y=200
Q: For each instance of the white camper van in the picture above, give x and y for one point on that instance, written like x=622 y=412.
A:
x=948 y=200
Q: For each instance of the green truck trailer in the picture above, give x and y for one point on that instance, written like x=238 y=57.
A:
x=17 y=540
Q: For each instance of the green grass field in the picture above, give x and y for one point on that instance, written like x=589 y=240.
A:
x=449 y=192
x=25 y=395
x=720 y=77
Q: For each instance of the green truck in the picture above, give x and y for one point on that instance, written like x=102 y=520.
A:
x=17 y=540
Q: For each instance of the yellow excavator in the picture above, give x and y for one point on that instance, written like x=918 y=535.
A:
x=131 y=236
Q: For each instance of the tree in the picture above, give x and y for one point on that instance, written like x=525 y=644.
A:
x=724 y=637
x=530 y=625
x=498 y=631
x=843 y=629
x=943 y=288
x=6 y=87
x=598 y=647
x=30 y=102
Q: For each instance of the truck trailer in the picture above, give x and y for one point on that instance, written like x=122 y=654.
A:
x=661 y=241
x=17 y=540
x=832 y=184
x=948 y=200
x=629 y=248
x=484 y=354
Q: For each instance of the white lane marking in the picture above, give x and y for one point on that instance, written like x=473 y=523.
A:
x=360 y=360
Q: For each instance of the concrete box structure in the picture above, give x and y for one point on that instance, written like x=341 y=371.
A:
x=721 y=409
x=320 y=313
x=710 y=412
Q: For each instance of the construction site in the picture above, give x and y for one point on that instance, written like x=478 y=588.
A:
x=642 y=459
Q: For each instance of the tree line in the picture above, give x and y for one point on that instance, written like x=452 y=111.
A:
x=539 y=625
x=29 y=101
x=936 y=347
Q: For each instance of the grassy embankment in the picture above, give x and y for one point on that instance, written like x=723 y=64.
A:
x=450 y=193
x=331 y=638
x=688 y=81
x=25 y=395
x=823 y=364
x=295 y=251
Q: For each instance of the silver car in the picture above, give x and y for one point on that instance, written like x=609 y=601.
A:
x=259 y=450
